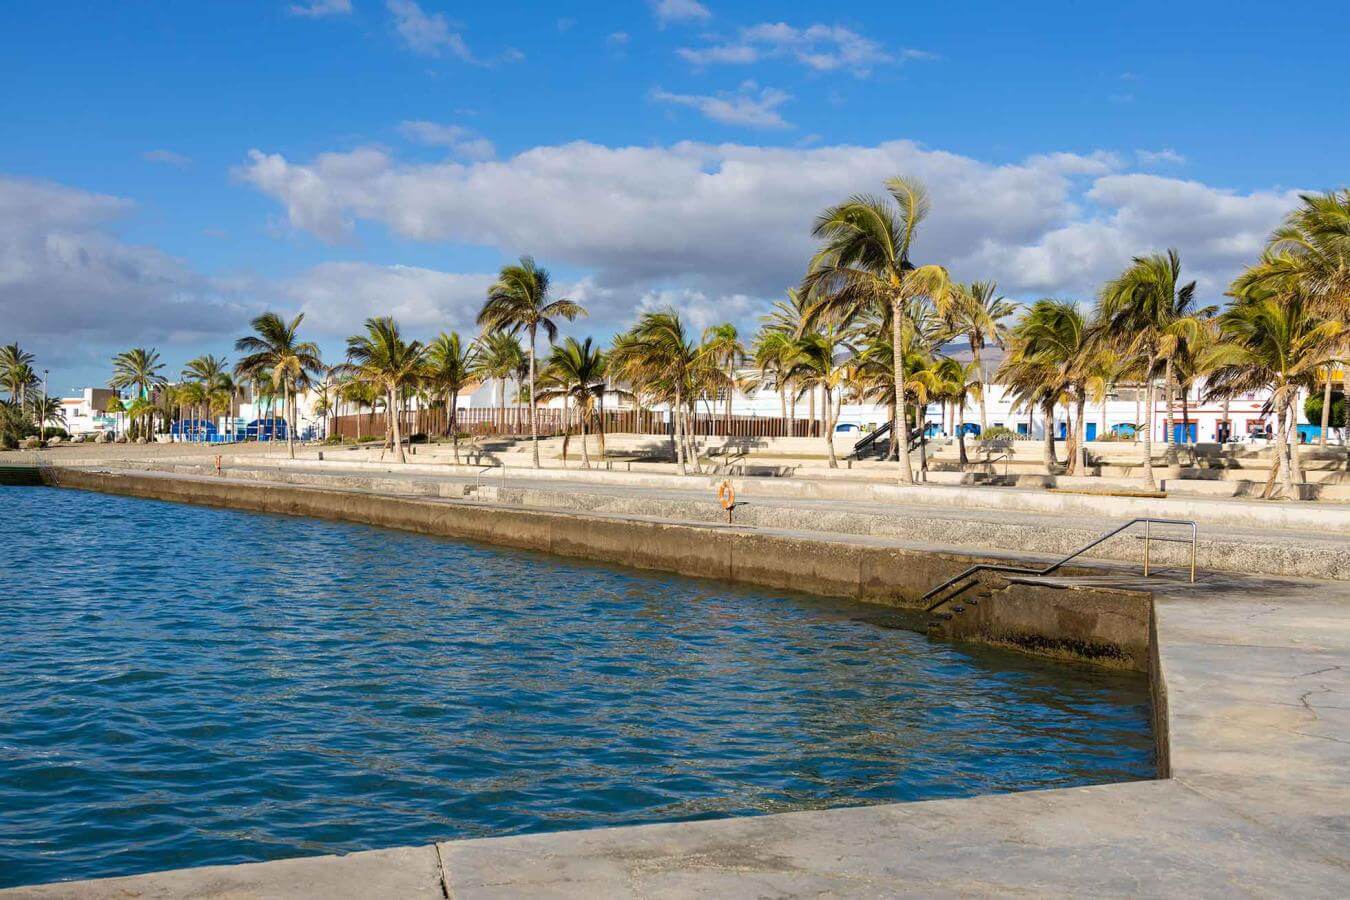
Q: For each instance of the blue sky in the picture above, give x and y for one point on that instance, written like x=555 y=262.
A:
x=169 y=169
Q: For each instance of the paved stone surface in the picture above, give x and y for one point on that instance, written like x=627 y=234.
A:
x=1258 y=703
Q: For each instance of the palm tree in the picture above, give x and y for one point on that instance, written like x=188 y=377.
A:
x=275 y=353
x=519 y=301
x=577 y=373
x=450 y=368
x=957 y=383
x=16 y=372
x=1312 y=250
x=723 y=345
x=359 y=393
x=499 y=357
x=213 y=374
x=140 y=371
x=1151 y=313
x=382 y=358
x=978 y=314
x=46 y=409
x=1274 y=341
x=864 y=266
x=194 y=396
x=657 y=359
x=817 y=364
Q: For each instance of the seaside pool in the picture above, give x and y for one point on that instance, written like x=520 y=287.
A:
x=183 y=686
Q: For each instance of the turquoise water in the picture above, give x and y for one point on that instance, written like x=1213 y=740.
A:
x=183 y=686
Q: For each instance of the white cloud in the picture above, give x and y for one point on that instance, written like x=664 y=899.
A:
x=1165 y=156
x=72 y=290
x=428 y=34
x=750 y=106
x=336 y=297
x=822 y=48
x=461 y=141
x=318 y=9
x=731 y=219
x=618 y=39
x=167 y=157
x=675 y=11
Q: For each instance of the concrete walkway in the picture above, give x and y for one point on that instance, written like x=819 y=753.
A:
x=1258 y=681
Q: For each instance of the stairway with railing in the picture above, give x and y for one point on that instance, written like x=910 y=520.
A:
x=944 y=593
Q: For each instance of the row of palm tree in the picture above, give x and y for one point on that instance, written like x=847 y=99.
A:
x=29 y=410
x=868 y=323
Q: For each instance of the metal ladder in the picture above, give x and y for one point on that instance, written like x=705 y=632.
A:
x=1147 y=537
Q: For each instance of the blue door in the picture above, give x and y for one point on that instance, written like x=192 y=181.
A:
x=1021 y=427
x=1183 y=434
x=1063 y=430
x=1092 y=431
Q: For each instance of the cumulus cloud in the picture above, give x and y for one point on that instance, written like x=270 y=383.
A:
x=457 y=139
x=167 y=157
x=336 y=297
x=71 y=289
x=318 y=9
x=751 y=105
x=679 y=11
x=821 y=48
x=731 y=219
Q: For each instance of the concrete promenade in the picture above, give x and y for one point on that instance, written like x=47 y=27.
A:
x=1257 y=711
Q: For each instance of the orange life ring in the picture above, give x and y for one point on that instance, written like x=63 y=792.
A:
x=726 y=494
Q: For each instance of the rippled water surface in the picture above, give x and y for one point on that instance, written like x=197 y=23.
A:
x=183 y=686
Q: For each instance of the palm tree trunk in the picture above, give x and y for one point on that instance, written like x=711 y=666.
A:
x=1048 y=445
x=984 y=389
x=1168 y=435
x=829 y=432
x=1080 y=467
x=1149 y=481
x=1137 y=391
x=290 y=423
x=452 y=421
x=392 y=404
x=676 y=430
x=901 y=428
x=534 y=409
x=731 y=389
x=1295 y=454
x=585 y=451
x=600 y=422
x=1326 y=410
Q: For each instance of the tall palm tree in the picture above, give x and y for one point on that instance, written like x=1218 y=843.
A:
x=1310 y=252
x=382 y=358
x=519 y=301
x=957 y=383
x=1151 y=312
x=275 y=353
x=773 y=352
x=450 y=366
x=723 y=344
x=978 y=314
x=1276 y=341
x=138 y=369
x=864 y=266
x=16 y=372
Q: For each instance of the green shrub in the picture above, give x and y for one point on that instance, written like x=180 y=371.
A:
x=999 y=432
x=1312 y=409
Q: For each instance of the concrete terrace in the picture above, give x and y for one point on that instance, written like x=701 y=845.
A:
x=1257 y=729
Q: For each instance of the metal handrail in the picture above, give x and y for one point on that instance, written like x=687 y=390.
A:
x=1022 y=570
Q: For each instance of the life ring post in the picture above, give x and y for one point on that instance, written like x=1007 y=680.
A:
x=726 y=495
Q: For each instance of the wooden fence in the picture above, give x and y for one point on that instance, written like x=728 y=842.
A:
x=512 y=421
